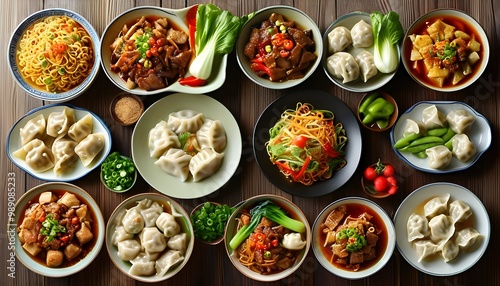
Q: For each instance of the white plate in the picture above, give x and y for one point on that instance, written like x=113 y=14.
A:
x=78 y=171
x=170 y=185
x=437 y=266
x=479 y=134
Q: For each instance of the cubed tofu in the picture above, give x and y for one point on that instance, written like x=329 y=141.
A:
x=84 y=235
x=54 y=258
x=462 y=35
x=415 y=55
x=473 y=45
x=449 y=32
x=83 y=213
x=47 y=197
x=466 y=68
x=71 y=251
x=458 y=75
x=438 y=72
x=436 y=30
x=69 y=200
x=32 y=248
x=473 y=58
x=422 y=41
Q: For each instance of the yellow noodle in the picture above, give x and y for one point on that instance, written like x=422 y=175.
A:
x=56 y=54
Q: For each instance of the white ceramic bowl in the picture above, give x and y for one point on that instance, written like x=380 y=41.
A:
x=436 y=266
x=78 y=170
x=35 y=266
x=448 y=16
x=376 y=82
x=286 y=205
x=389 y=234
x=40 y=92
x=176 y=17
x=181 y=217
x=301 y=19
x=479 y=134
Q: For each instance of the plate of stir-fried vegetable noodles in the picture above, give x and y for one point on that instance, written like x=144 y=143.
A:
x=307 y=143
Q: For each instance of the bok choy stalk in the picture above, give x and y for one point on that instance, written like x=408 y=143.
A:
x=216 y=33
x=387 y=32
x=271 y=211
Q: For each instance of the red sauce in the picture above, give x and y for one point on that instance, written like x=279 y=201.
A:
x=356 y=210
x=418 y=68
x=86 y=248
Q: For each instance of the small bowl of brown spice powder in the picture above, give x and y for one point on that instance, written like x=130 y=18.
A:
x=126 y=108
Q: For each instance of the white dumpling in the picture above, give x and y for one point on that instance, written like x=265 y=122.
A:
x=143 y=257
x=178 y=242
x=339 y=39
x=151 y=213
x=63 y=150
x=167 y=224
x=442 y=228
x=36 y=155
x=120 y=235
x=439 y=157
x=343 y=66
x=142 y=268
x=432 y=117
x=413 y=126
x=58 y=123
x=425 y=248
x=459 y=211
x=204 y=164
x=176 y=163
x=366 y=65
x=128 y=249
x=133 y=222
x=450 y=250
x=90 y=147
x=185 y=120
x=152 y=240
x=417 y=227
x=436 y=205
x=462 y=148
x=212 y=135
x=169 y=259
x=362 y=35
x=161 y=138
x=466 y=237
x=33 y=129
x=82 y=128
x=460 y=120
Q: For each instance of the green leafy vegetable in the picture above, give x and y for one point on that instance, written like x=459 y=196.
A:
x=355 y=241
x=210 y=220
x=271 y=211
x=50 y=228
x=216 y=33
x=118 y=172
x=387 y=32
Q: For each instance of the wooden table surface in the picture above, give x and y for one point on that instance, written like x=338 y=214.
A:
x=209 y=265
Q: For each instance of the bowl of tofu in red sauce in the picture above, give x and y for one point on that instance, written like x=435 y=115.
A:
x=59 y=229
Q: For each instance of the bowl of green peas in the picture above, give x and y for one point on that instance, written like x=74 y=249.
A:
x=209 y=221
x=118 y=173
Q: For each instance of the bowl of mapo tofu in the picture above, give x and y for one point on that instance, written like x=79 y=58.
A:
x=445 y=50
x=59 y=229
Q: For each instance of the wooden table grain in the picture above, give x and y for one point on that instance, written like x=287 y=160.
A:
x=209 y=265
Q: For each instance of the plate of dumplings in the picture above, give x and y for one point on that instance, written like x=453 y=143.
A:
x=58 y=142
x=186 y=145
x=468 y=138
x=442 y=229
x=348 y=54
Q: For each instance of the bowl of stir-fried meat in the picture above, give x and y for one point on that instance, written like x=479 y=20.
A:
x=279 y=47
x=147 y=50
x=59 y=230
x=445 y=50
x=353 y=238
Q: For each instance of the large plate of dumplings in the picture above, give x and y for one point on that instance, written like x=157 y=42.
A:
x=58 y=142
x=472 y=135
x=186 y=145
x=442 y=229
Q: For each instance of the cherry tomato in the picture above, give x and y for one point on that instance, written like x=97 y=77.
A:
x=300 y=141
x=393 y=189
x=288 y=44
x=389 y=171
x=370 y=173
x=392 y=181
x=381 y=184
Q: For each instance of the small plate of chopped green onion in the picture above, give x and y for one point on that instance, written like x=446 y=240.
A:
x=118 y=173
x=209 y=221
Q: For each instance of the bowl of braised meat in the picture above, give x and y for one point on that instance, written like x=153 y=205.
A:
x=353 y=238
x=147 y=50
x=279 y=47
x=59 y=230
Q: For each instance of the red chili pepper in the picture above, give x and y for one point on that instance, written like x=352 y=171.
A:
x=284 y=167
x=260 y=67
x=284 y=53
x=288 y=44
x=303 y=169
x=65 y=238
x=274 y=242
x=42 y=218
x=257 y=59
x=191 y=20
x=260 y=241
x=192 y=81
x=262 y=47
x=329 y=150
